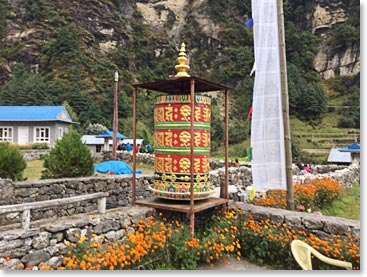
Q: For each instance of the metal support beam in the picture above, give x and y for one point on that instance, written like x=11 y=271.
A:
x=133 y=196
x=192 y=214
x=115 y=117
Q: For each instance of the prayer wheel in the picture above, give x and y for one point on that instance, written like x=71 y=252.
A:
x=172 y=147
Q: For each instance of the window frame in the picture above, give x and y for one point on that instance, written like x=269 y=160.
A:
x=44 y=138
x=7 y=138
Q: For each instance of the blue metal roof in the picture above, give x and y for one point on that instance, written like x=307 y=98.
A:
x=109 y=134
x=34 y=113
x=354 y=148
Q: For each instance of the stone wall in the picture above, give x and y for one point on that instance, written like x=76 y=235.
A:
x=240 y=178
x=119 y=188
x=321 y=226
x=30 y=155
x=47 y=240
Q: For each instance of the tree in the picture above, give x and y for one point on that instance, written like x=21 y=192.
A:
x=64 y=50
x=352 y=110
x=312 y=102
x=69 y=158
x=12 y=163
x=95 y=129
x=4 y=12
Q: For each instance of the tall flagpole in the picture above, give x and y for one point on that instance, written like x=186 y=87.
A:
x=285 y=104
x=115 y=117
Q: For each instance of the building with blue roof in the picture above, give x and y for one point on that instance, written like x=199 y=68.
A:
x=25 y=125
x=354 y=150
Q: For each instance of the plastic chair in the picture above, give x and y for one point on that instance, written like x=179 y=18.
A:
x=302 y=254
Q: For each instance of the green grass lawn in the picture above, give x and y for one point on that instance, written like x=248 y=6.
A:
x=347 y=207
x=33 y=170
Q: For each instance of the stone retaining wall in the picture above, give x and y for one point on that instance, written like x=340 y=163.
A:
x=119 y=188
x=30 y=155
x=47 y=240
x=321 y=226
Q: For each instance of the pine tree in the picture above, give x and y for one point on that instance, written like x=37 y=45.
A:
x=12 y=163
x=69 y=158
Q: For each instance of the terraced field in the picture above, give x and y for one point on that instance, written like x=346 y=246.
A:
x=320 y=139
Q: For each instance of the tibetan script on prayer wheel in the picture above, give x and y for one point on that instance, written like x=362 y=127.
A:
x=172 y=144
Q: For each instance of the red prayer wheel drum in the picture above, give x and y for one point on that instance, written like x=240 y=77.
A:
x=172 y=147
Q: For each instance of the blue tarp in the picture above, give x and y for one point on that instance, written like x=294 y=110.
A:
x=109 y=134
x=114 y=167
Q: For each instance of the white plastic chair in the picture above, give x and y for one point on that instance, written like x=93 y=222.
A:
x=302 y=254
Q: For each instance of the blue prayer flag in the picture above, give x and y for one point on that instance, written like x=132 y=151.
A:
x=249 y=23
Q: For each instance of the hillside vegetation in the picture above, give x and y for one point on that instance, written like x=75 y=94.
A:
x=66 y=53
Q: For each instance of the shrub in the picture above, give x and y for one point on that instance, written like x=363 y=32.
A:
x=69 y=158
x=12 y=163
x=40 y=146
x=314 y=195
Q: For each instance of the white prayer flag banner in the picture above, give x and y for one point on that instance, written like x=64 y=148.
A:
x=267 y=130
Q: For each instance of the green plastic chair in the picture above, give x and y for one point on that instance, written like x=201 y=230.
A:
x=302 y=254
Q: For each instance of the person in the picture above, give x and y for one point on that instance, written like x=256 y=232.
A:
x=307 y=168
x=297 y=163
x=119 y=147
x=137 y=148
x=149 y=149
x=142 y=148
x=237 y=163
x=129 y=147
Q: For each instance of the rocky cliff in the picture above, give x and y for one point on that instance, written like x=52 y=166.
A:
x=107 y=25
x=345 y=61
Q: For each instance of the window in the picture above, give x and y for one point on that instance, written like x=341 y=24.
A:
x=6 y=133
x=61 y=132
x=42 y=134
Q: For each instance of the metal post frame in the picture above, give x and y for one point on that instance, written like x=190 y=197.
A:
x=226 y=196
x=189 y=86
x=133 y=196
x=115 y=118
x=192 y=117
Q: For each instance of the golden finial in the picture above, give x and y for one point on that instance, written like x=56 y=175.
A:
x=182 y=67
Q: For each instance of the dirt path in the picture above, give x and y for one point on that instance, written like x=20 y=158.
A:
x=234 y=265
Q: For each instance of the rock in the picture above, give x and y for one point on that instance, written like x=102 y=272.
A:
x=106 y=226
x=6 y=245
x=232 y=189
x=10 y=265
x=55 y=262
x=73 y=235
x=35 y=258
x=42 y=241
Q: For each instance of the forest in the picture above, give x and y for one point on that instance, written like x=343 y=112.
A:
x=61 y=61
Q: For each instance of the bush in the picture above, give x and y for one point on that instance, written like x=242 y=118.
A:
x=69 y=158
x=316 y=194
x=12 y=163
x=40 y=146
